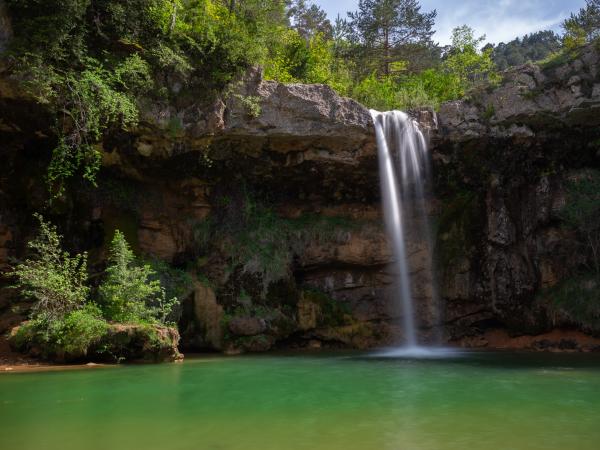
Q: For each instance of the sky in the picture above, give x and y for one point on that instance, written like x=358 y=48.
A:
x=499 y=20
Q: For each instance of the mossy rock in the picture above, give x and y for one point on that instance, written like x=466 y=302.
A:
x=330 y=312
x=118 y=343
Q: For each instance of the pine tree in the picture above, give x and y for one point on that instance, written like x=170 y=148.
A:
x=128 y=294
x=584 y=26
x=310 y=20
x=385 y=27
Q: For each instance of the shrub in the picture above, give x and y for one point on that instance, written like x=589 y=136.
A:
x=128 y=293
x=579 y=298
x=90 y=61
x=581 y=213
x=56 y=280
x=177 y=284
x=70 y=337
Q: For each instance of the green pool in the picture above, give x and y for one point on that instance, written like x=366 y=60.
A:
x=340 y=401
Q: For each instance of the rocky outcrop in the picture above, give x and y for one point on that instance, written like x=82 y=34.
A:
x=530 y=99
x=510 y=153
x=120 y=343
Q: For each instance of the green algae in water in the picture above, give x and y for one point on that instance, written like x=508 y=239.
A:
x=489 y=401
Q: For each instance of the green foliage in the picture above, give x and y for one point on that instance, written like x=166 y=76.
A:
x=581 y=212
x=90 y=61
x=258 y=240
x=331 y=312
x=177 y=284
x=464 y=68
x=458 y=227
x=584 y=26
x=251 y=104
x=65 y=324
x=559 y=58
x=309 y=20
x=386 y=27
x=295 y=60
x=489 y=112
x=468 y=65
x=72 y=335
x=50 y=276
x=579 y=298
x=530 y=48
x=376 y=93
x=427 y=89
x=128 y=294
x=90 y=102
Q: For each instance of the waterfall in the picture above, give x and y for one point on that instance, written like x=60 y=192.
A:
x=403 y=168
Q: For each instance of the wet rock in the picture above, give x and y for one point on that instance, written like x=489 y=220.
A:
x=247 y=326
x=208 y=317
x=143 y=343
x=5 y=27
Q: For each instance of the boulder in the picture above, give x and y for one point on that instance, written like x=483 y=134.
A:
x=120 y=343
x=247 y=326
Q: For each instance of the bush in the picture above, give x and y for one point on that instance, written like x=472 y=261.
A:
x=579 y=298
x=79 y=330
x=90 y=61
x=53 y=278
x=65 y=324
x=70 y=337
x=128 y=294
x=581 y=213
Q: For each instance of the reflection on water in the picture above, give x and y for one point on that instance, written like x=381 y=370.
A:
x=479 y=401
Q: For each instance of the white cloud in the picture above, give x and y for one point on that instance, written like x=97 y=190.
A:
x=497 y=27
x=499 y=20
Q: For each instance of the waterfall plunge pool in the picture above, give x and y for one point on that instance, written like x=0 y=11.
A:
x=338 y=401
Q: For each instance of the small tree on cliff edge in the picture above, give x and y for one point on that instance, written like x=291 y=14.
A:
x=584 y=26
x=127 y=294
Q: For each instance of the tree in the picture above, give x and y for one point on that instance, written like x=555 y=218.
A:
x=310 y=20
x=532 y=47
x=584 y=26
x=385 y=27
x=466 y=62
x=127 y=293
x=56 y=280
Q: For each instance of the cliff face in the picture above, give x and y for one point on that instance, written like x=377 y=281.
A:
x=503 y=161
x=269 y=198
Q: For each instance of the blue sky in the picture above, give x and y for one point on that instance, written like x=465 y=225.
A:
x=499 y=20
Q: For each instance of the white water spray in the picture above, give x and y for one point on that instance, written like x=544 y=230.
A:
x=403 y=167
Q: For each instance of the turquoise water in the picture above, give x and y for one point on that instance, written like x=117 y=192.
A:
x=481 y=401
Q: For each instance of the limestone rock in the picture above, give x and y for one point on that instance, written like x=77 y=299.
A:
x=208 y=316
x=247 y=326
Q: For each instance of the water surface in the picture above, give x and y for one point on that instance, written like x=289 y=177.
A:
x=479 y=401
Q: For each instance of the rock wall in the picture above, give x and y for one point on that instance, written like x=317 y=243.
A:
x=269 y=198
x=502 y=162
x=5 y=27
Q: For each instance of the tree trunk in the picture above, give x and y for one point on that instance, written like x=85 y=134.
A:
x=386 y=49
